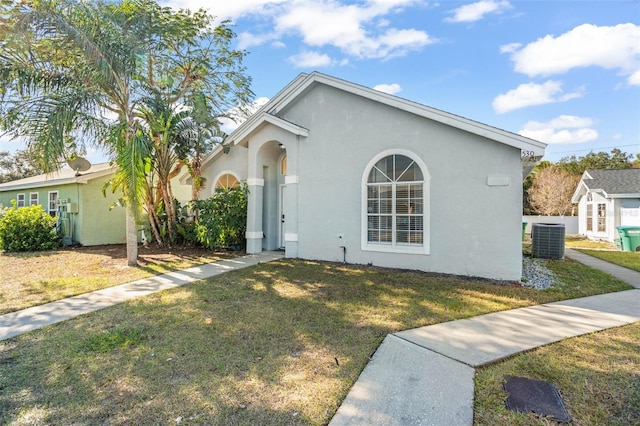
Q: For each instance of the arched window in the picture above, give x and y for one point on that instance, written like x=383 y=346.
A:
x=395 y=205
x=227 y=181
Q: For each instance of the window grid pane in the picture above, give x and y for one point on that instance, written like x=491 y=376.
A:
x=395 y=210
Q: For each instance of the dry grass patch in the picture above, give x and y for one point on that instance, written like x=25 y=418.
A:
x=582 y=242
x=34 y=278
x=276 y=344
x=597 y=376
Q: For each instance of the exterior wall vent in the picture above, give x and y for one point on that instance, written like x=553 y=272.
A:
x=547 y=240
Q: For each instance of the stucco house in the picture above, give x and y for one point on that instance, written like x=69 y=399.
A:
x=606 y=199
x=341 y=172
x=77 y=199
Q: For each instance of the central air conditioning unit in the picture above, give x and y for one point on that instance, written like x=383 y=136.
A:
x=547 y=240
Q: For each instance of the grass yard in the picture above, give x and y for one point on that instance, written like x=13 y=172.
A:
x=276 y=344
x=628 y=259
x=581 y=242
x=35 y=278
x=597 y=376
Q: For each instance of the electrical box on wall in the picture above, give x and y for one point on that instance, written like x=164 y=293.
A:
x=73 y=208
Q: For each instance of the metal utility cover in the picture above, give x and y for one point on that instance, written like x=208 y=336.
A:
x=542 y=398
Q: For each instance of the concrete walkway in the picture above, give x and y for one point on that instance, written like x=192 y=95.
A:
x=425 y=376
x=625 y=274
x=30 y=319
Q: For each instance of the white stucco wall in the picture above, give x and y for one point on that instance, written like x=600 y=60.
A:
x=235 y=162
x=475 y=228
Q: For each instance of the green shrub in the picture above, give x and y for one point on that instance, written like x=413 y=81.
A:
x=222 y=219
x=27 y=229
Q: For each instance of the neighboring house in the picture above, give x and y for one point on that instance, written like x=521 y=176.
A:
x=342 y=172
x=77 y=199
x=606 y=199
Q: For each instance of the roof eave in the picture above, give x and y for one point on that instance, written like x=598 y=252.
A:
x=82 y=179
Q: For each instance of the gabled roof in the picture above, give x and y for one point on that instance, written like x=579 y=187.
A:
x=305 y=82
x=62 y=177
x=612 y=183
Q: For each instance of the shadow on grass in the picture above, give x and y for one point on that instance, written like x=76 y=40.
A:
x=277 y=344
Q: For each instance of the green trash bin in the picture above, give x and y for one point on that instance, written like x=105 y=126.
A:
x=524 y=227
x=629 y=237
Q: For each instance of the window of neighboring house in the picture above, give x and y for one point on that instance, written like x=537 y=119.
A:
x=589 y=217
x=33 y=199
x=227 y=181
x=20 y=200
x=395 y=205
x=53 y=208
x=602 y=217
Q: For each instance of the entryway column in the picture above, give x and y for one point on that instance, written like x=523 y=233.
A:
x=255 y=183
x=291 y=237
x=254 y=232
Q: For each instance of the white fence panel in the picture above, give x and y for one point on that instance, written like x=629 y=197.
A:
x=570 y=222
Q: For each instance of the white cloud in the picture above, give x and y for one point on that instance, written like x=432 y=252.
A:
x=476 y=11
x=561 y=130
x=359 y=30
x=246 y=40
x=228 y=125
x=634 y=79
x=616 y=47
x=391 y=89
x=310 y=60
x=531 y=94
x=510 y=48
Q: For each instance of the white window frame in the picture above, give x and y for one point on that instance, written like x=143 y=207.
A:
x=37 y=199
x=52 y=208
x=219 y=176
x=21 y=202
x=425 y=248
x=593 y=221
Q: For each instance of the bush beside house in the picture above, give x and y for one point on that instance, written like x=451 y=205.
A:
x=27 y=229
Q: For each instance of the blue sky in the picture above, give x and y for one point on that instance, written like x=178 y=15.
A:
x=563 y=72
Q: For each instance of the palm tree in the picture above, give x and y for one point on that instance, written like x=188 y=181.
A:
x=66 y=65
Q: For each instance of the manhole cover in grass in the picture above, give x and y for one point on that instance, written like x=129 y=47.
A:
x=527 y=395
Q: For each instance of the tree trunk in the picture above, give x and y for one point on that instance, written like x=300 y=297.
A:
x=132 y=236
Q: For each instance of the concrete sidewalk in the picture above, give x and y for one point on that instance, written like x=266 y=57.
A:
x=624 y=274
x=425 y=376
x=30 y=319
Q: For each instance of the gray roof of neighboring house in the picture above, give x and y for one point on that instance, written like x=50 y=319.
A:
x=613 y=181
x=61 y=177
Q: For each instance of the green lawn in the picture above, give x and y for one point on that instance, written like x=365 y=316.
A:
x=628 y=259
x=596 y=375
x=279 y=343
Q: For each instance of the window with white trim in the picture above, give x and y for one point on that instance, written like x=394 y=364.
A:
x=227 y=181
x=602 y=217
x=20 y=200
x=395 y=205
x=33 y=199
x=53 y=207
